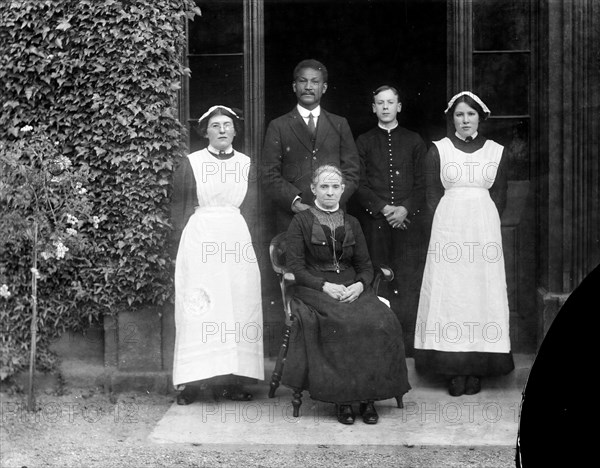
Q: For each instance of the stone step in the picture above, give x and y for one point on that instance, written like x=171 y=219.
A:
x=430 y=417
x=515 y=379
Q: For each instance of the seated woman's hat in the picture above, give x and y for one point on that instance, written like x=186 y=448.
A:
x=472 y=96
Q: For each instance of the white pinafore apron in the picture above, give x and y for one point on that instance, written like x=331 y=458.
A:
x=463 y=304
x=218 y=307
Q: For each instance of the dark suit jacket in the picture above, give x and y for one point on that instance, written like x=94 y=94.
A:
x=290 y=156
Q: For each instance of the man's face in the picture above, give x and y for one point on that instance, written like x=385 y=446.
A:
x=309 y=87
x=386 y=106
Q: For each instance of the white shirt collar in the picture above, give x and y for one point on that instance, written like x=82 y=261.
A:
x=316 y=112
x=388 y=128
x=463 y=138
x=327 y=210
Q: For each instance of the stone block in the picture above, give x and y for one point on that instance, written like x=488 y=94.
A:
x=139 y=338
x=111 y=354
x=549 y=305
x=168 y=337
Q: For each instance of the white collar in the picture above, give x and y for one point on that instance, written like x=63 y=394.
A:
x=460 y=137
x=326 y=210
x=389 y=129
x=212 y=149
x=316 y=112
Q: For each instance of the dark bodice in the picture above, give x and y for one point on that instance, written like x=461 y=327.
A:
x=310 y=252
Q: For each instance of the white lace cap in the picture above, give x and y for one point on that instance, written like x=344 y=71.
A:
x=216 y=107
x=471 y=95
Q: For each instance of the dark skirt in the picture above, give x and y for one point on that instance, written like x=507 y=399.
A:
x=428 y=361
x=343 y=353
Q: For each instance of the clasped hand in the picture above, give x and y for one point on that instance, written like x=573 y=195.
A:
x=396 y=216
x=343 y=293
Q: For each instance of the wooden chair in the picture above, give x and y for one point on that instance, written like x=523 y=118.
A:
x=286 y=280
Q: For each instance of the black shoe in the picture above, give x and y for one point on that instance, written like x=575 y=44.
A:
x=186 y=396
x=456 y=386
x=368 y=412
x=345 y=414
x=473 y=385
x=235 y=393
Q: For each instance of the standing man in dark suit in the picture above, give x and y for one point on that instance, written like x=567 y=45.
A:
x=391 y=196
x=303 y=139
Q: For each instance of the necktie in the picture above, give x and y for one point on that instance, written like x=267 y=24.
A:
x=468 y=139
x=311 y=125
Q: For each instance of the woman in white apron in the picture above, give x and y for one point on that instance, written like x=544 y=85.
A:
x=218 y=309
x=462 y=328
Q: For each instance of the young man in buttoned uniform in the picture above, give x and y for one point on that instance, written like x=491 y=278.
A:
x=391 y=198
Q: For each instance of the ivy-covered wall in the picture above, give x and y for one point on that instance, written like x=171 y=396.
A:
x=102 y=76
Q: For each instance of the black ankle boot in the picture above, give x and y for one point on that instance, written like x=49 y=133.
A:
x=368 y=412
x=345 y=414
x=473 y=385
x=187 y=395
x=456 y=386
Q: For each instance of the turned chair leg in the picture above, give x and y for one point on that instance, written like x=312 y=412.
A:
x=276 y=376
x=399 y=401
x=296 y=402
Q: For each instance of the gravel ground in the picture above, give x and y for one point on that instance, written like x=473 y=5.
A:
x=87 y=428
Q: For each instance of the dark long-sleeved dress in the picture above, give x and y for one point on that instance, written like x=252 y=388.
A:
x=463 y=317
x=217 y=280
x=339 y=352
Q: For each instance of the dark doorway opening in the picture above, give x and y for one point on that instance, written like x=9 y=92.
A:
x=364 y=44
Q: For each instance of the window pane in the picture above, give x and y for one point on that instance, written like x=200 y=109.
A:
x=501 y=25
x=502 y=80
x=513 y=134
x=216 y=80
x=220 y=29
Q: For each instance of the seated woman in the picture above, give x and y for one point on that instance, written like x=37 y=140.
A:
x=346 y=345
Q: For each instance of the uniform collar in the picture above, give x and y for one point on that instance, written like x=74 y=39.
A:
x=463 y=139
x=388 y=129
x=220 y=154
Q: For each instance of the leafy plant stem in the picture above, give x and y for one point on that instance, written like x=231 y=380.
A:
x=30 y=392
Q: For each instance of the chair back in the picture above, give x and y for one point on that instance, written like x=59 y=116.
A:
x=277 y=253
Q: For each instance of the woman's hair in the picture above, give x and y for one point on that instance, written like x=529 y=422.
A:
x=203 y=124
x=326 y=168
x=468 y=100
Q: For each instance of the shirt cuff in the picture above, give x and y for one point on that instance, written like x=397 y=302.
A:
x=294 y=201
